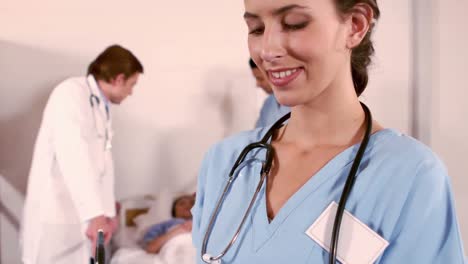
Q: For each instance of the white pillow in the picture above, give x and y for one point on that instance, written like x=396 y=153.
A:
x=159 y=211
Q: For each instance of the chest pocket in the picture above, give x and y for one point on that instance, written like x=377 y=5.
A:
x=357 y=244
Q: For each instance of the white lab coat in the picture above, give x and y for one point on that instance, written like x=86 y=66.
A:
x=71 y=178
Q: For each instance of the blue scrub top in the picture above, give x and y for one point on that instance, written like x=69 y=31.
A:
x=270 y=112
x=402 y=192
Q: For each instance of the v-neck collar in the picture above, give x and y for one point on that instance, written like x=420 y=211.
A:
x=264 y=229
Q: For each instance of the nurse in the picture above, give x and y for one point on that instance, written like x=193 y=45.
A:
x=400 y=210
x=70 y=193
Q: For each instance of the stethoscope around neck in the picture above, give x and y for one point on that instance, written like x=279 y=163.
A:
x=266 y=166
x=94 y=102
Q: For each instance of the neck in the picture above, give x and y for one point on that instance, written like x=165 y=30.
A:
x=105 y=88
x=334 y=118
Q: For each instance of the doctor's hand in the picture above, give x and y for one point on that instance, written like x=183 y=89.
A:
x=99 y=222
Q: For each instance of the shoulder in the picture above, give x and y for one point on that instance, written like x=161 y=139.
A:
x=233 y=145
x=69 y=97
x=393 y=143
x=221 y=156
x=270 y=100
x=70 y=88
x=407 y=157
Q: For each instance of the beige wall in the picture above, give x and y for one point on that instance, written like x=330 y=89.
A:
x=440 y=82
x=450 y=122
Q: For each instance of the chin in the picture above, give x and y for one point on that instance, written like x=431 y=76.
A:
x=115 y=101
x=289 y=101
x=297 y=97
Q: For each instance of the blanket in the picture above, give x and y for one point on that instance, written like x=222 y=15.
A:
x=178 y=250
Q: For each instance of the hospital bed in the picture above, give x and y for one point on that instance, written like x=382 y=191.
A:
x=136 y=215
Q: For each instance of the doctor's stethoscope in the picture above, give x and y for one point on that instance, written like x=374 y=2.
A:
x=94 y=101
x=266 y=166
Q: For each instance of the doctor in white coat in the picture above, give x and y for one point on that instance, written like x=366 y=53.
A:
x=70 y=191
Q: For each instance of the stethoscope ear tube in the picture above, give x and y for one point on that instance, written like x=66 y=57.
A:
x=265 y=169
x=275 y=126
x=95 y=98
x=207 y=258
x=349 y=186
x=242 y=156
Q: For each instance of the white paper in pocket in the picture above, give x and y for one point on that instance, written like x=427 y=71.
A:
x=358 y=244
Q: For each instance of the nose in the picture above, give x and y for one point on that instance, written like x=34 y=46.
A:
x=272 y=45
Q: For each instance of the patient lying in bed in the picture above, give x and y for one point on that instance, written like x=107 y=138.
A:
x=170 y=242
x=158 y=234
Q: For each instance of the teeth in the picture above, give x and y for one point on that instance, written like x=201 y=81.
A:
x=283 y=74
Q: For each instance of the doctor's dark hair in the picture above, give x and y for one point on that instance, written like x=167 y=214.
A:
x=114 y=60
x=361 y=54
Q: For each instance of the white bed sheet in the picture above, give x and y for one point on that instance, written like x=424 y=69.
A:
x=178 y=250
x=125 y=238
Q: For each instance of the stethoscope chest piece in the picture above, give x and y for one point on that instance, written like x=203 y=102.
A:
x=207 y=258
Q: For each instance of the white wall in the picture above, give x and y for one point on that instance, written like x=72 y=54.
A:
x=9 y=215
x=450 y=123
x=389 y=93
x=440 y=83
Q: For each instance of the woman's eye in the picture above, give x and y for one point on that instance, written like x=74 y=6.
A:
x=256 y=31
x=296 y=26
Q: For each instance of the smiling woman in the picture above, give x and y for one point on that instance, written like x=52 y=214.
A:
x=315 y=49
x=395 y=199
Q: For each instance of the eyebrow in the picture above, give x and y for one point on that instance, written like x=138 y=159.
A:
x=276 y=12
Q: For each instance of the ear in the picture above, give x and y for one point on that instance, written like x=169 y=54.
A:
x=361 y=17
x=118 y=80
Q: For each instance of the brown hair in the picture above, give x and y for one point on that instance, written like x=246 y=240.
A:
x=360 y=55
x=113 y=61
x=174 y=203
